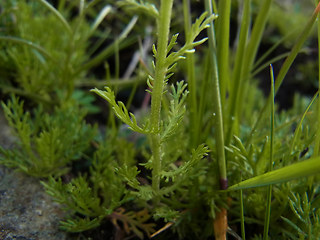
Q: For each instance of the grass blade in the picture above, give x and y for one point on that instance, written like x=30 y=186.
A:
x=243 y=232
x=252 y=49
x=57 y=14
x=217 y=103
x=287 y=64
x=103 y=13
x=317 y=140
x=296 y=132
x=109 y=50
x=27 y=43
x=298 y=170
x=237 y=72
x=195 y=130
x=223 y=38
x=269 y=192
x=296 y=48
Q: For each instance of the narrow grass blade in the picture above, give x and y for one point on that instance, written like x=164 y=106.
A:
x=251 y=51
x=269 y=192
x=296 y=132
x=219 y=135
x=223 y=37
x=104 y=12
x=27 y=43
x=276 y=59
x=109 y=50
x=57 y=14
x=243 y=232
x=298 y=170
x=296 y=48
x=270 y=50
x=257 y=32
x=191 y=77
x=287 y=64
x=237 y=72
x=317 y=140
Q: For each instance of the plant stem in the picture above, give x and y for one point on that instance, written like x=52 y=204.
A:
x=163 y=25
x=317 y=141
x=194 y=123
x=269 y=192
x=237 y=73
x=243 y=232
x=223 y=36
x=217 y=104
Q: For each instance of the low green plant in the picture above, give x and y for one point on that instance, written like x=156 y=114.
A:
x=47 y=142
x=216 y=127
x=307 y=214
x=90 y=199
x=48 y=67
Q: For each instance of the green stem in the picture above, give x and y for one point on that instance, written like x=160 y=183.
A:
x=269 y=192
x=251 y=51
x=223 y=35
x=194 y=124
x=317 y=141
x=243 y=232
x=163 y=25
x=217 y=103
x=237 y=73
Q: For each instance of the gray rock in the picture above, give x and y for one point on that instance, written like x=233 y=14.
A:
x=26 y=211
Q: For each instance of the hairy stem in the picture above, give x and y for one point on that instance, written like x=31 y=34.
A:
x=163 y=25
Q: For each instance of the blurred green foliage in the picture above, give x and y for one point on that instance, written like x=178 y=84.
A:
x=101 y=173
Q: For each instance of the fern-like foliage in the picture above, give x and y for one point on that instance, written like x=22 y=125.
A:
x=307 y=217
x=200 y=24
x=173 y=57
x=185 y=170
x=80 y=224
x=77 y=198
x=121 y=110
x=141 y=6
x=136 y=222
x=47 y=143
x=177 y=110
x=19 y=121
x=91 y=200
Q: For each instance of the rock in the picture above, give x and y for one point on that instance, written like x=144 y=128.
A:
x=26 y=211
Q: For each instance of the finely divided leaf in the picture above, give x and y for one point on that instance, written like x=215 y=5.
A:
x=120 y=110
